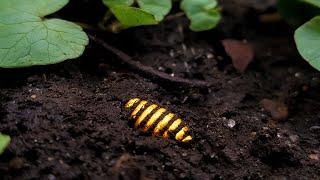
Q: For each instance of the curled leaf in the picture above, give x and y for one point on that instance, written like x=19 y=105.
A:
x=132 y=16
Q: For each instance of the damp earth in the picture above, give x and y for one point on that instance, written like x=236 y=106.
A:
x=258 y=121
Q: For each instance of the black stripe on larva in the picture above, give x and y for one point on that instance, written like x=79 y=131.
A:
x=144 y=122
x=169 y=124
x=131 y=109
x=141 y=110
x=174 y=132
x=153 y=126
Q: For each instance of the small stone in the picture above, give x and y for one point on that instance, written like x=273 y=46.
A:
x=168 y=164
x=314 y=157
x=171 y=53
x=298 y=75
x=184 y=154
x=184 y=47
x=52 y=177
x=231 y=123
x=33 y=96
x=210 y=56
x=193 y=51
x=253 y=134
x=212 y=156
x=315 y=128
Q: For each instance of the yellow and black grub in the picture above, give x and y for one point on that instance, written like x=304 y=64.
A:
x=150 y=117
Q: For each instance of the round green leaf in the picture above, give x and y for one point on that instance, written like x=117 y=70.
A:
x=35 y=7
x=202 y=14
x=132 y=16
x=159 y=8
x=313 y=2
x=26 y=39
x=307 y=38
x=4 y=142
x=110 y=3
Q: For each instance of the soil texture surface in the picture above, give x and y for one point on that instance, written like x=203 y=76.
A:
x=261 y=121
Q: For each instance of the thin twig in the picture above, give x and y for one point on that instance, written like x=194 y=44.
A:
x=149 y=71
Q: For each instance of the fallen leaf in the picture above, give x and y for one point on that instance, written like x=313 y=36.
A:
x=241 y=53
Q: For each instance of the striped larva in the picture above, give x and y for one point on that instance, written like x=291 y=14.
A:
x=150 y=117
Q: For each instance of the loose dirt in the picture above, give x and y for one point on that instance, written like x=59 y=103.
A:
x=67 y=121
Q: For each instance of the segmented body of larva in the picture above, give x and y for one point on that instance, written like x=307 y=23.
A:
x=150 y=117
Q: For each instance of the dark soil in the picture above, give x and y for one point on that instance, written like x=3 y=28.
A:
x=67 y=121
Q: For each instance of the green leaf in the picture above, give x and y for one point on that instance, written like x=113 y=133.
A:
x=313 y=2
x=26 y=39
x=132 y=16
x=202 y=14
x=307 y=38
x=291 y=10
x=4 y=142
x=110 y=3
x=35 y=7
x=159 y=8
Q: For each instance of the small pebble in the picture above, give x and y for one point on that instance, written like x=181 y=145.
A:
x=52 y=177
x=184 y=47
x=314 y=157
x=171 y=53
x=33 y=96
x=315 y=128
x=193 y=51
x=253 y=134
x=168 y=164
x=210 y=56
x=231 y=123
x=298 y=75
x=184 y=154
